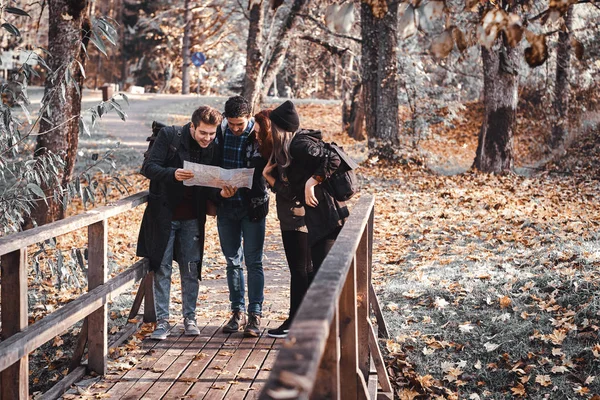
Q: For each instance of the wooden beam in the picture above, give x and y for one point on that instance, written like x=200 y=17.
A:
x=97 y=320
x=313 y=319
x=149 y=309
x=80 y=347
x=362 y=303
x=363 y=389
x=382 y=375
x=32 y=337
x=381 y=324
x=327 y=385
x=36 y=235
x=137 y=302
x=125 y=333
x=349 y=338
x=15 y=374
x=64 y=384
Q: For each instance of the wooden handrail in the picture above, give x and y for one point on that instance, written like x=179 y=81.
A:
x=32 y=337
x=23 y=239
x=19 y=339
x=331 y=299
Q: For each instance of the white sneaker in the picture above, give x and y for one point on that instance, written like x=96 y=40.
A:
x=191 y=328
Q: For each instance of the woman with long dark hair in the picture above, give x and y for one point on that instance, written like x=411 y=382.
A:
x=290 y=213
x=306 y=165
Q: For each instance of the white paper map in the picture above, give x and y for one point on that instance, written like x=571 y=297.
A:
x=211 y=176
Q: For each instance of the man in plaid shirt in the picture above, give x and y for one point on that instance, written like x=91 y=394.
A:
x=241 y=218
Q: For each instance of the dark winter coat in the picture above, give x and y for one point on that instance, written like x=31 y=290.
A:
x=166 y=192
x=290 y=210
x=309 y=157
x=256 y=198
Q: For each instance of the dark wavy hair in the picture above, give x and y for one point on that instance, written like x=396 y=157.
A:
x=264 y=134
x=236 y=107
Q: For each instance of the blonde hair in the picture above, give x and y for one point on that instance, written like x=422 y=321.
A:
x=281 y=146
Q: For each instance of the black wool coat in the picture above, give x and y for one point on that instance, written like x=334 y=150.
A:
x=310 y=157
x=166 y=193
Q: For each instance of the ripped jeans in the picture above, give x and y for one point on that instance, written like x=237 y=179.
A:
x=187 y=242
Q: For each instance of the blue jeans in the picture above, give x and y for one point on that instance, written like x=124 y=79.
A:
x=186 y=242
x=233 y=225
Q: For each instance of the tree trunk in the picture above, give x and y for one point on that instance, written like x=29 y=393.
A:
x=380 y=75
x=369 y=68
x=283 y=38
x=185 y=51
x=251 y=88
x=560 y=104
x=352 y=108
x=387 y=77
x=500 y=85
x=59 y=129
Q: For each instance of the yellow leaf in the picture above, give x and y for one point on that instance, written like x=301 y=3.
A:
x=519 y=390
x=581 y=390
x=408 y=394
x=505 y=302
x=543 y=380
x=557 y=337
x=57 y=342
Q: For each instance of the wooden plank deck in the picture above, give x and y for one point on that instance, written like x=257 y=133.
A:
x=213 y=365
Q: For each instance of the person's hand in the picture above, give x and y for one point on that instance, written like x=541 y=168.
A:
x=268 y=173
x=309 y=192
x=228 y=191
x=183 y=174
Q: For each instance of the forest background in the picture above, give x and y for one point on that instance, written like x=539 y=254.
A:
x=476 y=124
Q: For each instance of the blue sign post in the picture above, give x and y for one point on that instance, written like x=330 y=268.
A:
x=198 y=59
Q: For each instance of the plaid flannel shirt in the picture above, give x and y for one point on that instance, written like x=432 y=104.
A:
x=234 y=156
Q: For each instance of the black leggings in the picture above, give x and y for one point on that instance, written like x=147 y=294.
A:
x=320 y=249
x=298 y=257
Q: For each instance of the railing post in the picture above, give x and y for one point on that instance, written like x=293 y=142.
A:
x=363 y=280
x=15 y=379
x=348 y=337
x=327 y=385
x=149 y=310
x=97 y=321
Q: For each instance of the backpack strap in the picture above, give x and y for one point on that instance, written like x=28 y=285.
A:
x=175 y=141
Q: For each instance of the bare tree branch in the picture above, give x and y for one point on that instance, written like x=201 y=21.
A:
x=333 y=49
x=326 y=29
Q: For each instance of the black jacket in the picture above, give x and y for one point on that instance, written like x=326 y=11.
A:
x=166 y=193
x=256 y=198
x=309 y=157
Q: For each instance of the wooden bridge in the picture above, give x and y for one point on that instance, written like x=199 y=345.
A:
x=332 y=339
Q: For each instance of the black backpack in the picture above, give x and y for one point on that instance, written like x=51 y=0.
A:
x=343 y=183
x=173 y=146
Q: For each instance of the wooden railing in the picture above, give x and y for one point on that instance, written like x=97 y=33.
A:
x=332 y=350
x=19 y=338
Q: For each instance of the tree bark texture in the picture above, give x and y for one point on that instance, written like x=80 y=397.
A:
x=185 y=51
x=380 y=74
x=277 y=57
x=387 y=77
x=560 y=105
x=369 y=68
x=251 y=89
x=500 y=90
x=59 y=129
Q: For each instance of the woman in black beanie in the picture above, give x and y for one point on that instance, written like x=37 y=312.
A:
x=290 y=213
x=307 y=164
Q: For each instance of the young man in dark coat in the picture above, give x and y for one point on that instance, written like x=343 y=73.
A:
x=173 y=223
x=241 y=218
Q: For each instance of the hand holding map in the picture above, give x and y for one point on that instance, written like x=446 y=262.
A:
x=211 y=176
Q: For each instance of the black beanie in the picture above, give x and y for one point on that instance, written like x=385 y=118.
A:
x=286 y=117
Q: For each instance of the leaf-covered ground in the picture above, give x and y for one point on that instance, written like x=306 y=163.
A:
x=489 y=283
